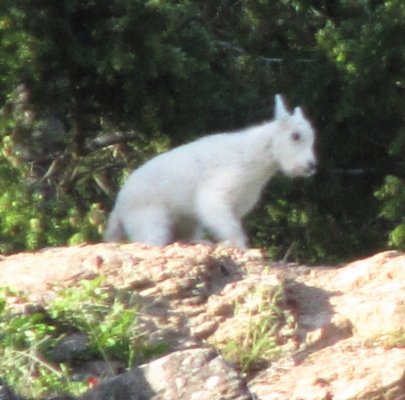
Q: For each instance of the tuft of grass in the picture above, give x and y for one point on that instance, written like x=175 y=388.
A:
x=107 y=318
x=109 y=322
x=260 y=341
x=388 y=340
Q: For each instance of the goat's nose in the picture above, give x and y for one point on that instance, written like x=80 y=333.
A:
x=311 y=167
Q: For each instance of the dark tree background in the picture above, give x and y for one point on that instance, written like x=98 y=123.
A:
x=91 y=89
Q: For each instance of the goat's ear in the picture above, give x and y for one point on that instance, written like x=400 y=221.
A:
x=280 y=109
x=298 y=113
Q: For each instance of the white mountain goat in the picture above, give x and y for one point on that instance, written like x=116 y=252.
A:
x=211 y=183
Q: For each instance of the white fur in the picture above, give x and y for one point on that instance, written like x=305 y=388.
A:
x=211 y=183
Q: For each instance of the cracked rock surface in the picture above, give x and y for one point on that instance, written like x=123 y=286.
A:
x=345 y=319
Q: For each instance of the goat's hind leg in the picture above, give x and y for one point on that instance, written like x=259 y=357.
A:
x=149 y=225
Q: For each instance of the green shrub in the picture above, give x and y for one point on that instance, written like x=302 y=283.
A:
x=392 y=199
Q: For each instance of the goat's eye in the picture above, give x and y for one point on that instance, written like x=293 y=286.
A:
x=296 y=136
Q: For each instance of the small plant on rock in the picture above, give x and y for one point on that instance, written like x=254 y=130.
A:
x=108 y=319
x=388 y=340
x=25 y=337
x=268 y=324
x=109 y=322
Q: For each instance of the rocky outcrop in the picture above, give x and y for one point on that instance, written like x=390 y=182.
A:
x=199 y=374
x=351 y=325
x=342 y=335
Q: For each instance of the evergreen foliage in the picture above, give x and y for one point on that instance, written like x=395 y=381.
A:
x=89 y=90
